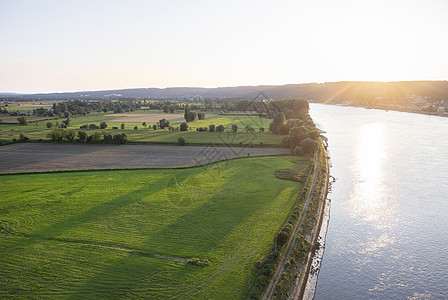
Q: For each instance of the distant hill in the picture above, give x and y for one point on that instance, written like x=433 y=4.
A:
x=319 y=92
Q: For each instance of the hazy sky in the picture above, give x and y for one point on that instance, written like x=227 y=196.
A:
x=67 y=45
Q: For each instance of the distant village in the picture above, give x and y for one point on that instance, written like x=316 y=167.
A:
x=413 y=104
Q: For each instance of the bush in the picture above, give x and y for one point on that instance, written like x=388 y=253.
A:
x=103 y=125
x=211 y=128
x=234 y=128
x=135 y=127
x=307 y=146
x=198 y=262
x=49 y=124
x=220 y=128
x=23 y=138
x=181 y=141
x=94 y=126
x=184 y=126
x=120 y=138
x=82 y=136
x=122 y=125
x=22 y=121
x=164 y=123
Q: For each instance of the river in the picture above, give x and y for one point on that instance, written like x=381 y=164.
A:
x=388 y=232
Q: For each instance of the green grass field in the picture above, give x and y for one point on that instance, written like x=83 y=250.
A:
x=126 y=234
x=36 y=129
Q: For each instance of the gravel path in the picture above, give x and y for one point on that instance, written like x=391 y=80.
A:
x=51 y=157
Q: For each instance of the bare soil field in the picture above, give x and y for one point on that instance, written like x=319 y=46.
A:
x=152 y=118
x=53 y=157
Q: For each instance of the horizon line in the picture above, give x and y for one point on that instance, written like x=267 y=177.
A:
x=216 y=87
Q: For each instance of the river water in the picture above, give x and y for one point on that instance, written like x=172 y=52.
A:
x=388 y=232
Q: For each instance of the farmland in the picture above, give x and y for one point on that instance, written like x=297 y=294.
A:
x=35 y=157
x=37 y=130
x=130 y=233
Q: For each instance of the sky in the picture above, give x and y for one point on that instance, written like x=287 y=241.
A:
x=55 y=46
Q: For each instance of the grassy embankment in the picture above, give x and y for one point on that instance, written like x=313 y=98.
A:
x=98 y=234
x=36 y=130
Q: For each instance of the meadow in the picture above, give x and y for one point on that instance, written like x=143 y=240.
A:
x=130 y=233
x=36 y=129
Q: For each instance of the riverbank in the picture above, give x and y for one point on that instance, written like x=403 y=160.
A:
x=392 y=108
x=323 y=203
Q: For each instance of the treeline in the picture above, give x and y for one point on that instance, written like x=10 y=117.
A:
x=292 y=118
x=70 y=136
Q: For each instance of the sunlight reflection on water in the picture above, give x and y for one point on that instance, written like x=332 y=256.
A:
x=368 y=199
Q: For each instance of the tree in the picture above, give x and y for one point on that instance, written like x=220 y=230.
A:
x=22 y=121
x=189 y=116
x=277 y=123
x=70 y=135
x=164 y=123
x=154 y=126
x=135 y=127
x=103 y=125
x=307 y=146
x=187 y=113
x=184 y=126
x=23 y=138
x=82 y=136
x=201 y=116
x=56 y=135
x=66 y=122
x=144 y=124
x=211 y=128
x=181 y=141
x=49 y=124
x=122 y=125
x=120 y=138
x=67 y=114
x=234 y=128
x=220 y=128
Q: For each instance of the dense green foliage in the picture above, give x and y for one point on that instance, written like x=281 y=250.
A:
x=161 y=233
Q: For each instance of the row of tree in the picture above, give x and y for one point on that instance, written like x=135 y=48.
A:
x=62 y=135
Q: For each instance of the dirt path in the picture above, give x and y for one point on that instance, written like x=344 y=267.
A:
x=291 y=242
x=53 y=157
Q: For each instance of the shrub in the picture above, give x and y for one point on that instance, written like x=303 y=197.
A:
x=82 y=136
x=181 y=141
x=49 y=124
x=198 y=262
x=23 y=138
x=103 y=125
x=93 y=126
x=211 y=128
x=136 y=127
x=122 y=125
x=220 y=128
x=184 y=126
x=22 y=121
x=164 y=123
